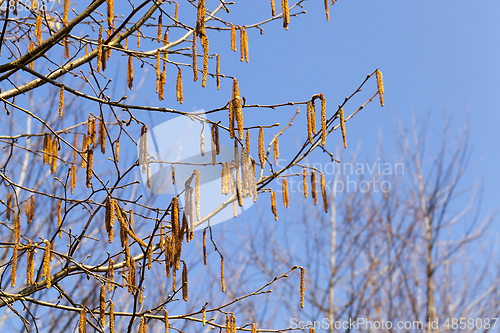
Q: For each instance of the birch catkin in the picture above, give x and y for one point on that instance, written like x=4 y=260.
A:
x=110 y=217
x=30 y=267
x=9 y=205
x=302 y=286
x=204 y=40
x=217 y=72
x=313 y=187
x=242 y=43
x=304 y=181
x=130 y=72
x=61 y=100
x=380 y=86
x=286 y=13
x=65 y=12
x=158 y=55
x=273 y=9
x=273 y=205
x=327 y=10
x=59 y=223
x=179 y=86
x=90 y=157
x=111 y=317
x=309 y=123
x=82 y=327
x=323 y=119
x=231 y=119
x=110 y=275
x=14 y=267
x=233 y=37
x=102 y=305
x=323 y=192
x=195 y=58
x=99 y=49
x=197 y=195
x=110 y=15
x=245 y=44
x=184 y=282
x=160 y=27
x=222 y=274
x=205 y=247
x=342 y=126
x=46 y=263
x=276 y=151
x=167 y=326
x=285 y=192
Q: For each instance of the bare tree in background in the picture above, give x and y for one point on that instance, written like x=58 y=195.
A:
x=412 y=248
x=82 y=243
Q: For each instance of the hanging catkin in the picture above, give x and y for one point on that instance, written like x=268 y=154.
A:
x=213 y=147
x=242 y=43
x=273 y=205
x=302 y=286
x=176 y=14
x=273 y=9
x=217 y=72
x=111 y=317
x=380 y=86
x=197 y=195
x=143 y=148
x=200 y=21
x=304 y=181
x=205 y=247
x=158 y=56
x=195 y=57
x=14 y=267
x=46 y=263
x=102 y=306
x=286 y=13
x=110 y=274
x=233 y=37
x=231 y=119
x=323 y=119
x=9 y=205
x=342 y=126
x=179 y=86
x=204 y=40
x=184 y=282
x=222 y=274
x=110 y=15
x=99 y=49
x=90 y=157
x=59 y=223
x=82 y=327
x=110 y=217
x=262 y=152
x=313 y=187
x=276 y=151
x=245 y=44
x=130 y=72
x=65 y=12
x=160 y=27
x=285 y=192
x=323 y=192
x=38 y=27
x=102 y=135
x=327 y=10
x=61 y=100
x=30 y=266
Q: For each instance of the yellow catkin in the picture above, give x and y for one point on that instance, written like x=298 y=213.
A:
x=323 y=119
x=93 y=131
x=262 y=152
x=286 y=13
x=217 y=72
x=213 y=147
x=131 y=275
x=179 y=86
x=273 y=9
x=233 y=323
x=195 y=57
x=30 y=266
x=313 y=187
x=175 y=217
x=204 y=316
x=242 y=43
x=148 y=181
x=28 y=211
x=327 y=10
x=273 y=205
x=176 y=14
x=204 y=39
x=309 y=123
x=285 y=192
x=323 y=192
x=109 y=12
x=173 y=174
x=233 y=37
x=75 y=150
x=9 y=205
x=160 y=27
x=110 y=274
x=313 y=117
x=84 y=150
x=66 y=11
x=276 y=151
x=139 y=37
x=130 y=72
x=59 y=221
x=143 y=148
x=245 y=44
x=61 y=100
x=46 y=263
x=17 y=229
x=200 y=21
x=238 y=173
x=184 y=282
x=30 y=48
x=102 y=305
x=55 y=148
x=99 y=49
x=342 y=126
x=52 y=250
x=32 y=208
x=82 y=327
x=14 y=267
x=73 y=178
x=304 y=181
x=158 y=56
x=110 y=218
x=167 y=326
x=111 y=317
x=222 y=274
x=205 y=247
x=302 y=286
x=90 y=158
x=380 y=86
x=117 y=151
x=231 y=119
